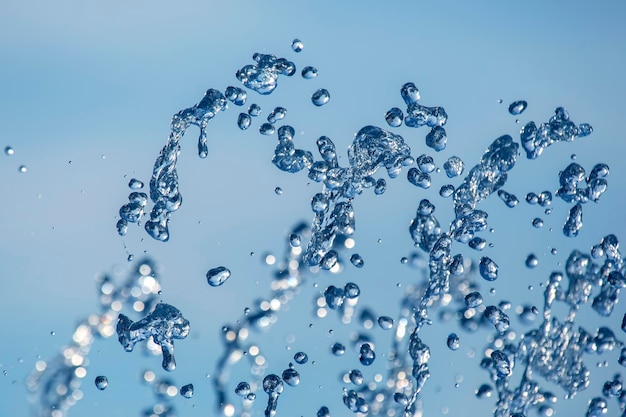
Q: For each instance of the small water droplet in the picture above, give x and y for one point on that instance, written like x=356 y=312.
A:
x=278 y=191
x=254 y=110
x=357 y=260
x=217 y=276
x=267 y=129
x=101 y=382
x=385 y=322
x=187 y=391
x=320 y=97
x=338 y=349
x=309 y=72
x=297 y=45
x=394 y=117
x=22 y=168
x=537 y=222
x=301 y=358
x=243 y=121
x=532 y=261
x=242 y=389
x=517 y=107
x=9 y=151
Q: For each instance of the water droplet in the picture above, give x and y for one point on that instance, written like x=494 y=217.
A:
x=320 y=97
x=356 y=377
x=278 y=191
x=385 y=322
x=101 y=382
x=532 y=261
x=477 y=243
x=301 y=358
x=453 y=341
x=135 y=184
x=297 y=45
x=9 y=151
x=437 y=138
x=334 y=297
x=22 y=168
x=254 y=110
x=357 y=260
x=243 y=121
x=278 y=113
x=446 y=190
x=394 y=117
x=267 y=129
x=242 y=389
x=488 y=269
x=309 y=72
x=517 y=107
x=294 y=240
x=236 y=95
x=329 y=260
x=187 y=390
x=323 y=412
x=453 y=166
x=537 y=222
x=473 y=299
x=425 y=163
x=484 y=391
x=352 y=290
x=366 y=354
x=498 y=318
x=217 y=276
x=291 y=377
x=338 y=349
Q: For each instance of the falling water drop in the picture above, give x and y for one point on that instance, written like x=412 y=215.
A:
x=217 y=276
x=320 y=97
x=101 y=382
x=517 y=107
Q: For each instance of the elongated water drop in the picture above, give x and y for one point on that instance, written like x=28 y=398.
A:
x=385 y=322
x=357 y=260
x=488 y=269
x=356 y=377
x=453 y=342
x=473 y=299
x=366 y=354
x=217 y=276
x=517 y=107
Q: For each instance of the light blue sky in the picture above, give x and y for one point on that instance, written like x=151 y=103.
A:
x=96 y=83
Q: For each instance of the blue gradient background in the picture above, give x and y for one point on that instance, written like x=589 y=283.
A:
x=80 y=80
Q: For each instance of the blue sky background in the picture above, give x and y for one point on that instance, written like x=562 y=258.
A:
x=87 y=91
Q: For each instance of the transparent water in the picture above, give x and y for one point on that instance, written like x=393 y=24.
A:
x=415 y=341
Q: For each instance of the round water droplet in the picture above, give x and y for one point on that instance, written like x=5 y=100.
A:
x=9 y=151
x=517 y=107
x=278 y=191
x=272 y=384
x=309 y=72
x=323 y=412
x=537 y=222
x=320 y=97
x=297 y=45
x=294 y=240
x=532 y=261
x=243 y=121
x=338 y=349
x=254 y=110
x=187 y=391
x=357 y=260
x=301 y=358
x=291 y=377
x=473 y=299
x=394 y=117
x=217 y=276
x=446 y=190
x=101 y=382
x=22 y=168
x=352 y=290
x=385 y=322
x=356 y=377
x=267 y=129
x=453 y=341
x=242 y=389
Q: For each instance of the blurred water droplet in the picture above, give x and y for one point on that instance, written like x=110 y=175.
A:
x=537 y=222
x=366 y=354
x=338 y=349
x=532 y=261
x=22 y=168
x=385 y=322
x=9 y=151
x=278 y=191
x=217 y=276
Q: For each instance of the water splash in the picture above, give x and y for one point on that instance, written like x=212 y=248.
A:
x=164 y=324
